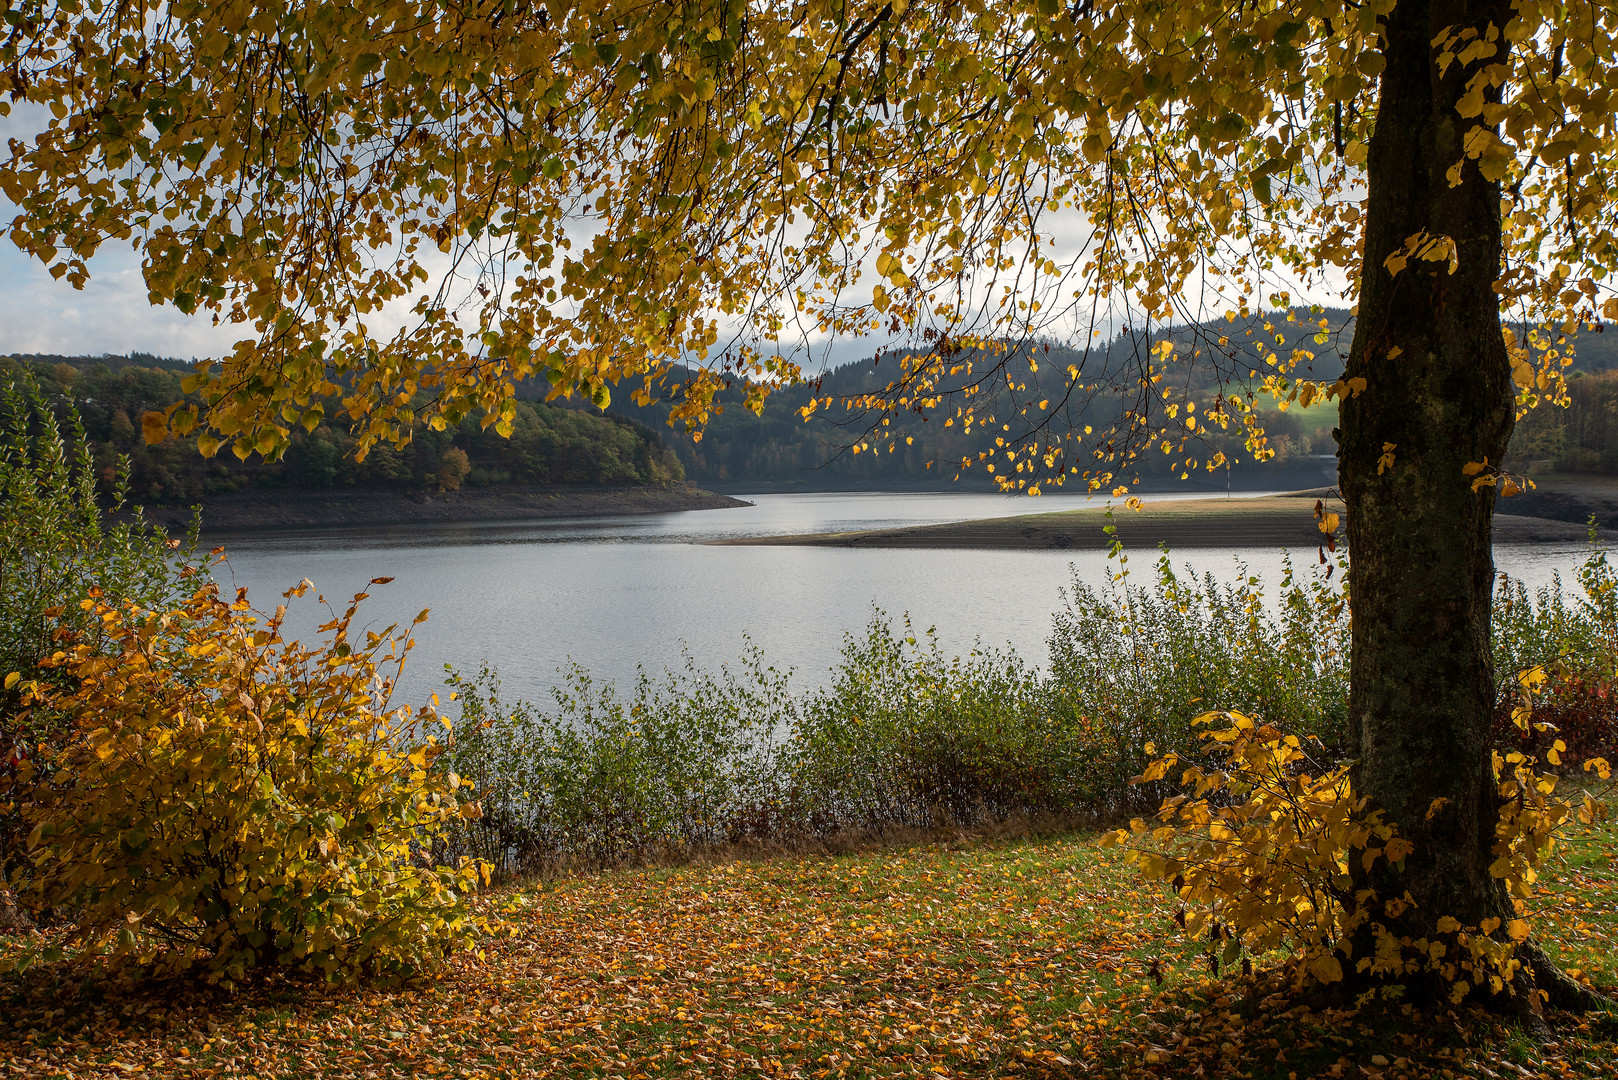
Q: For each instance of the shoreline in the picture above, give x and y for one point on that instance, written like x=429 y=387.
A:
x=1555 y=513
x=268 y=510
x=1286 y=520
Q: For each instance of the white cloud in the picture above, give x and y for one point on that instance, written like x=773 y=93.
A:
x=111 y=314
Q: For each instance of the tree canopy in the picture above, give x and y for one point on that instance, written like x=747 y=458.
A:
x=390 y=196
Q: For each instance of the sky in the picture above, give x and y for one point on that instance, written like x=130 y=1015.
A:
x=112 y=315
x=109 y=315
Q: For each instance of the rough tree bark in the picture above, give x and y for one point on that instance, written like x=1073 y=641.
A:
x=1438 y=395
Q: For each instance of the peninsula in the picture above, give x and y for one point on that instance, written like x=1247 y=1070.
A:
x=1255 y=522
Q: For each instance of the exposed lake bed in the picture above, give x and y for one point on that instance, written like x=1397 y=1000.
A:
x=1254 y=522
x=255 y=510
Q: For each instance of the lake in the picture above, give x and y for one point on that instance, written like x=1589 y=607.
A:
x=614 y=592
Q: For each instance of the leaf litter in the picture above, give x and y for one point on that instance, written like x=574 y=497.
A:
x=1035 y=958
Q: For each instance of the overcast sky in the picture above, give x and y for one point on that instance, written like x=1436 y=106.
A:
x=109 y=315
x=112 y=315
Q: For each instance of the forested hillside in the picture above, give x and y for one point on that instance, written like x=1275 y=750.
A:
x=780 y=448
x=633 y=445
x=549 y=445
x=1580 y=438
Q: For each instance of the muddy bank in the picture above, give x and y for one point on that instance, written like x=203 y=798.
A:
x=1266 y=522
x=275 y=510
x=1569 y=497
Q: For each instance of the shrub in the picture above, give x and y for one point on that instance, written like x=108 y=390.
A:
x=1570 y=643
x=680 y=763
x=56 y=541
x=57 y=547
x=1269 y=848
x=905 y=736
x=1134 y=665
x=231 y=800
x=1259 y=846
x=902 y=738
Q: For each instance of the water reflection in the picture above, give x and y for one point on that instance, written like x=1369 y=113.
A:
x=769 y=515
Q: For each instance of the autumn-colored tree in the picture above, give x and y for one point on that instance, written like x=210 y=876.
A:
x=453 y=465
x=613 y=186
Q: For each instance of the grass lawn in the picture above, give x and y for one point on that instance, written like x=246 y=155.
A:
x=1028 y=958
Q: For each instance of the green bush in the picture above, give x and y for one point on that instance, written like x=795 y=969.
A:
x=1573 y=638
x=904 y=737
x=1558 y=628
x=1134 y=664
x=602 y=779
x=57 y=542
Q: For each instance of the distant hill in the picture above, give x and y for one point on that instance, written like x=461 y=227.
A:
x=1582 y=438
x=780 y=450
x=572 y=443
x=1596 y=350
x=550 y=445
x=110 y=361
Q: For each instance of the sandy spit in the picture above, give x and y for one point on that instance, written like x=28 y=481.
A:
x=1264 y=522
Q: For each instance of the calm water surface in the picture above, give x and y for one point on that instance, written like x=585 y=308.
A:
x=614 y=592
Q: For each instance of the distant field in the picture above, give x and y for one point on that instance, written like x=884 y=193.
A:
x=1317 y=419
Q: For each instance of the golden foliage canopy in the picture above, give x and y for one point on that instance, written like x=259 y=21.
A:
x=591 y=191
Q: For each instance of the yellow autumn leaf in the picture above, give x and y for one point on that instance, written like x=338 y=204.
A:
x=1326 y=968
x=154 y=427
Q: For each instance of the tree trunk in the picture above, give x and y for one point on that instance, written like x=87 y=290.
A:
x=1438 y=395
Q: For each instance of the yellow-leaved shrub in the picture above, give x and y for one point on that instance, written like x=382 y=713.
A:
x=1264 y=845
x=1258 y=847
x=231 y=800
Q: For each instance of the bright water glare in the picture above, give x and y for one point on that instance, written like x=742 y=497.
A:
x=613 y=592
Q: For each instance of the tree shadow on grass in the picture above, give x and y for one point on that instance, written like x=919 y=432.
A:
x=1255 y=1027
x=90 y=997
